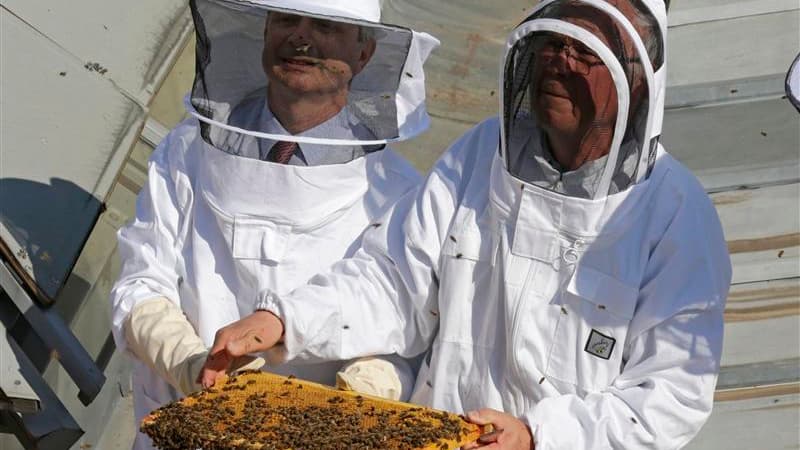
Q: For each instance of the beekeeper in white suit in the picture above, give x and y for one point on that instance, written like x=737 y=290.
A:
x=568 y=286
x=274 y=177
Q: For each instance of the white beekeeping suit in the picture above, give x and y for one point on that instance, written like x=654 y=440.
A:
x=222 y=218
x=587 y=301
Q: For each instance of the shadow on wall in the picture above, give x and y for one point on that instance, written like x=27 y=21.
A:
x=51 y=224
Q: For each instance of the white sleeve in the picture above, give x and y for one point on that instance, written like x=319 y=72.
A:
x=378 y=301
x=149 y=245
x=672 y=354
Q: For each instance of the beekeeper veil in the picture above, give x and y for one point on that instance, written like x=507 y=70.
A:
x=580 y=96
x=793 y=83
x=328 y=52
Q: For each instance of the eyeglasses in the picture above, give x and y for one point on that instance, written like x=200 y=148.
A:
x=579 y=58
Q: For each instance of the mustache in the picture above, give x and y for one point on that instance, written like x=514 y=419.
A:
x=300 y=52
x=327 y=66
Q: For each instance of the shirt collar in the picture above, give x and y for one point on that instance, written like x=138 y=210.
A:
x=536 y=165
x=344 y=125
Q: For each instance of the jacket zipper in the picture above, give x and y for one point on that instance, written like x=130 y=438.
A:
x=566 y=258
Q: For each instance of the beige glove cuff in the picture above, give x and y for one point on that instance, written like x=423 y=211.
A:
x=388 y=377
x=160 y=335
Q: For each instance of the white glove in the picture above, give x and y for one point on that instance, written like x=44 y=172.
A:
x=160 y=335
x=389 y=377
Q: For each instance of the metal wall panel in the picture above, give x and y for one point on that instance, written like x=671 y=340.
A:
x=461 y=75
x=727 y=136
x=710 y=50
x=77 y=81
x=132 y=40
x=65 y=132
x=771 y=250
x=764 y=423
x=76 y=105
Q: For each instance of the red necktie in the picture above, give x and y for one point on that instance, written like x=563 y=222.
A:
x=281 y=152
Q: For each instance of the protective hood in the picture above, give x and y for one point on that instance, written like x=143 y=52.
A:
x=582 y=104
x=793 y=83
x=356 y=74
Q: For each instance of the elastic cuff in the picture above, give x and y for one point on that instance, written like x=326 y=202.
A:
x=264 y=300
x=293 y=343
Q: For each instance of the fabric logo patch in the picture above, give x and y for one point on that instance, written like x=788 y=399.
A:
x=600 y=345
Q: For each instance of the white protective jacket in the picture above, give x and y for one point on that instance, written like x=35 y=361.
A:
x=598 y=322
x=212 y=229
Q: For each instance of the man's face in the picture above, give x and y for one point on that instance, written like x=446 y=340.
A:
x=572 y=89
x=313 y=56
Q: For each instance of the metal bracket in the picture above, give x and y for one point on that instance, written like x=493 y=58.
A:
x=50 y=427
x=58 y=338
x=16 y=394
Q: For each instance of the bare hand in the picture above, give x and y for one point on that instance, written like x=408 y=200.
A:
x=509 y=432
x=257 y=332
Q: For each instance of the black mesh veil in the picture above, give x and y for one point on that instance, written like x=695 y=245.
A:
x=792 y=83
x=561 y=98
x=235 y=78
x=646 y=26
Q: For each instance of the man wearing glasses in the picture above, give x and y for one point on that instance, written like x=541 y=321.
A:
x=566 y=286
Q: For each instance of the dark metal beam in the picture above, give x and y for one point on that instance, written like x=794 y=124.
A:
x=50 y=428
x=58 y=338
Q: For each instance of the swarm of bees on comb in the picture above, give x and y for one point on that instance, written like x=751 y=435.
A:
x=261 y=411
